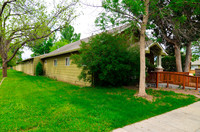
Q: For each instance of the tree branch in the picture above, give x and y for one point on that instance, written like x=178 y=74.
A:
x=4 y=5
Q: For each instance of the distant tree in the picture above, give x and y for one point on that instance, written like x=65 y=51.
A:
x=25 y=21
x=42 y=47
x=58 y=44
x=106 y=60
x=67 y=36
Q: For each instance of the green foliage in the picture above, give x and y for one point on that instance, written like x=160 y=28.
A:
x=67 y=36
x=42 y=47
x=55 y=104
x=120 y=12
x=175 y=24
x=169 y=63
x=107 y=61
x=58 y=44
x=195 y=50
x=17 y=58
x=39 y=69
x=23 y=22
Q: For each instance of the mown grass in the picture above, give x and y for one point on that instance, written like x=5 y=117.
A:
x=30 y=103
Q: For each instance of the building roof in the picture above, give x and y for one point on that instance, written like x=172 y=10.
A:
x=150 y=44
x=66 y=49
x=197 y=62
x=31 y=58
x=75 y=46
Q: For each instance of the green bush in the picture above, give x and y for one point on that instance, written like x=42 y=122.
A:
x=169 y=63
x=39 y=69
x=107 y=60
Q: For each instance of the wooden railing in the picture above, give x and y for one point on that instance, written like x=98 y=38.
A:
x=177 y=78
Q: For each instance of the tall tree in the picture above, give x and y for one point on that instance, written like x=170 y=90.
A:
x=67 y=33
x=135 y=13
x=178 y=23
x=25 y=21
x=42 y=47
x=67 y=36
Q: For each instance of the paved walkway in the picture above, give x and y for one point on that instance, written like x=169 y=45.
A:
x=185 y=119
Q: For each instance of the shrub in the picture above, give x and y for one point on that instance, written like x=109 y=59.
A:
x=169 y=63
x=106 y=60
x=39 y=69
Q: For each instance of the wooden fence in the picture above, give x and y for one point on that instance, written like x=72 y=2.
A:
x=177 y=78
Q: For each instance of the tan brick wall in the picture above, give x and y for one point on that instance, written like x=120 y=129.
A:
x=28 y=67
x=18 y=67
x=62 y=72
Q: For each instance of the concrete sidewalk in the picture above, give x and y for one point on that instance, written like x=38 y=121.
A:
x=185 y=119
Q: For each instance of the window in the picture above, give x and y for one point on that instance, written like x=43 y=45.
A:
x=67 y=61
x=45 y=61
x=55 y=62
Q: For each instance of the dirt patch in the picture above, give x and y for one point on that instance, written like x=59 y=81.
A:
x=186 y=91
x=132 y=87
x=147 y=97
x=196 y=93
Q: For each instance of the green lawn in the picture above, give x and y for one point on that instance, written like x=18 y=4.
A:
x=29 y=103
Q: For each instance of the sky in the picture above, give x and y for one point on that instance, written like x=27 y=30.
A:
x=83 y=24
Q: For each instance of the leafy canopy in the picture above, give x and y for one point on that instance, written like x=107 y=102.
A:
x=25 y=21
x=67 y=36
x=15 y=60
x=42 y=47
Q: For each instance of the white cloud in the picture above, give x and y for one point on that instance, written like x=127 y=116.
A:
x=27 y=53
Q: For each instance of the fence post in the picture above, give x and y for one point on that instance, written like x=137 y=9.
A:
x=183 y=81
x=167 y=80
x=156 y=79
x=197 y=84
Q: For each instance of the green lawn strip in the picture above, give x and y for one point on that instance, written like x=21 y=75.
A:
x=31 y=103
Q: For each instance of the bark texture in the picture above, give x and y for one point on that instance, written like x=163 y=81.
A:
x=188 y=57
x=4 y=69
x=142 y=91
x=178 y=58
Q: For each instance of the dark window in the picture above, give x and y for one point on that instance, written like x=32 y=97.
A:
x=55 y=62
x=67 y=61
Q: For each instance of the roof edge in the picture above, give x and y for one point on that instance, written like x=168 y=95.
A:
x=61 y=53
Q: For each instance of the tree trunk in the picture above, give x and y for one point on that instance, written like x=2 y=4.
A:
x=178 y=58
x=142 y=91
x=4 y=72
x=188 y=57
